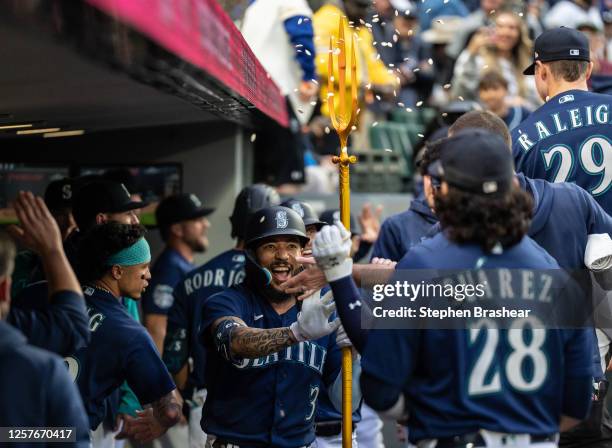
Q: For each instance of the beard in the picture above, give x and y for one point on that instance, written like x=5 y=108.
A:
x=197 y=244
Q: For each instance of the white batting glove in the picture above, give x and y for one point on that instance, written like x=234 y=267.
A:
x=342 y=339
x=332 y=248
x=313 y=319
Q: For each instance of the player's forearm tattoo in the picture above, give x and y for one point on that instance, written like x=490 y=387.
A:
x=256 y=342
x=167 y=410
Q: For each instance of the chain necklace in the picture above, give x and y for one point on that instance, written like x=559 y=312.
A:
x=102 y=288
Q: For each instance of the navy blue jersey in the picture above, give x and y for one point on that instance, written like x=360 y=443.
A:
x=166 y=272
x=120 y=350
x=400 y=232
x=516 y=115
x=568 y=139
x=182 y=340
x=58 y=324
x=481 y=380
x=36 y=389
x=271 y=400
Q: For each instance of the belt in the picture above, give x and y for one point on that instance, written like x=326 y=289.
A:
x=329 y=429
x=475 y=440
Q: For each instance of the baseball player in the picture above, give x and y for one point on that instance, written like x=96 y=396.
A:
x=181 y=342
x=35 y=387
x=450 y=402
x=114 y=263
x=568 y=138
x=53 y=318
x=264 y=352
x=183 y=227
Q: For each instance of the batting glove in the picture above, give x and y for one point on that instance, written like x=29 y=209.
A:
x=313 y=319
x=342 y=339
x=332 y=248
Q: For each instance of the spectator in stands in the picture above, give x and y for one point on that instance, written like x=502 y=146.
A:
x=442 y=32
x=482 y=17
x=493 y=93
x=411 y=55
x=432 y=9
x=506 y=47
x=597 y=45
x=381 y=19
x=280 y=33
x=572 y=13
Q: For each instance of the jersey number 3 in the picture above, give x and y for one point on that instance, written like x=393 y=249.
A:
x=595 y=158
x=486 y=376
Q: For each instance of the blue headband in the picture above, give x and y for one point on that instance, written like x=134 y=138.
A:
x=137 y=253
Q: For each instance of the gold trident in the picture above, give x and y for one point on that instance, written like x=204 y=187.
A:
x=343 y=125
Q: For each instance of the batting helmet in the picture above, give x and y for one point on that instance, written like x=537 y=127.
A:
x=274 y=221
x=305 y=210
x=249 y=200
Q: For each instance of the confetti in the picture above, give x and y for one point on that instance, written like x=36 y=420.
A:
x=416 y=70
x=520 y=14
x=330 y=94
x=421 y=135
x=375 y=20
x=253 y=137
x=368 y=86
x=313 y=103
x=263 y=218
x=391 y=65
x=430 y=61
x=394 y=93
x=395 y=38
x=428 y=11
x=446 y=1
x=315 y=81
x=362 y=21
x=327 y=130
x=419 y=103
x=358 y=110
x=401 y=104
x=440 y=21
x=492 y=12
x=354 y=128
x=375 y=124
x=445 y=114
x=300 y=20
x=378 y=97
x=406 y=59
x=396 y=13
x=460 y=98
x=447 y=86
x=388 y=150
x=408 y=109
x=308 y=52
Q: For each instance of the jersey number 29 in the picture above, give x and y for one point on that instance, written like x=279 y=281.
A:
x=486 y=376
x=595 y=156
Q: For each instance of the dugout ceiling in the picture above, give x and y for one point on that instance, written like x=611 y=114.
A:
x=92 y=65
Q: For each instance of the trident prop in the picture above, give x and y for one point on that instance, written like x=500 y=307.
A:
x=343 y=123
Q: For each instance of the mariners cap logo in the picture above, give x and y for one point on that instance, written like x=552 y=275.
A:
x=536 y=55
x=88 y=291
x=281 y=220
x=67 y=192
x=193 y=198
x=574 y=52
x=298 y=208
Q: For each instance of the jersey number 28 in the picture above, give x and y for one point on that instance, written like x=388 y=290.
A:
x=595 y=156
x=486 y=375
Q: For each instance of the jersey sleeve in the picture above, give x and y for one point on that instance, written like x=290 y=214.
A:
x=145 y=372
x=579 y=352
x=158 y=298
x=60 y=326
x=221 y=305
x=64 y=406
x=177 y=340
x=598 y=221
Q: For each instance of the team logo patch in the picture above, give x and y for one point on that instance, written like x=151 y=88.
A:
x=238 y=258
x=89 y=291
x=574 y=52
x=281 y=220
x=566 y=99
x=298 y=208
x=162 y=296
x=195 y=200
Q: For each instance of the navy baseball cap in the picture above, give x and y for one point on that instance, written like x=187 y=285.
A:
x=333 y=215
x=58 y=194
x=559 y=44
x=180 y=207
x=475 y=161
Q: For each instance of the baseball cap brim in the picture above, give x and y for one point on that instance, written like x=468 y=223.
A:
x=132 y=205
x=530 y=70
x=316 y=222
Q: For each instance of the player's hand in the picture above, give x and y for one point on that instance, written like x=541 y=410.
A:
x=342 y=339
x=38 y=231
x=331 y=248
x=146 y=427
x=306 y=282
x=383 y=262
x=370 y=223
x=308 y=90
x=124 y=425
x=313 y=319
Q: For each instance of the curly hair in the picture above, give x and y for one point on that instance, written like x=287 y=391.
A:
x=472 y=218
x=430 y=155
x=102 y=241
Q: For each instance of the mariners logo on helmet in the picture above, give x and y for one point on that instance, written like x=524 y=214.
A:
x=195 y=200
x=281 y=220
